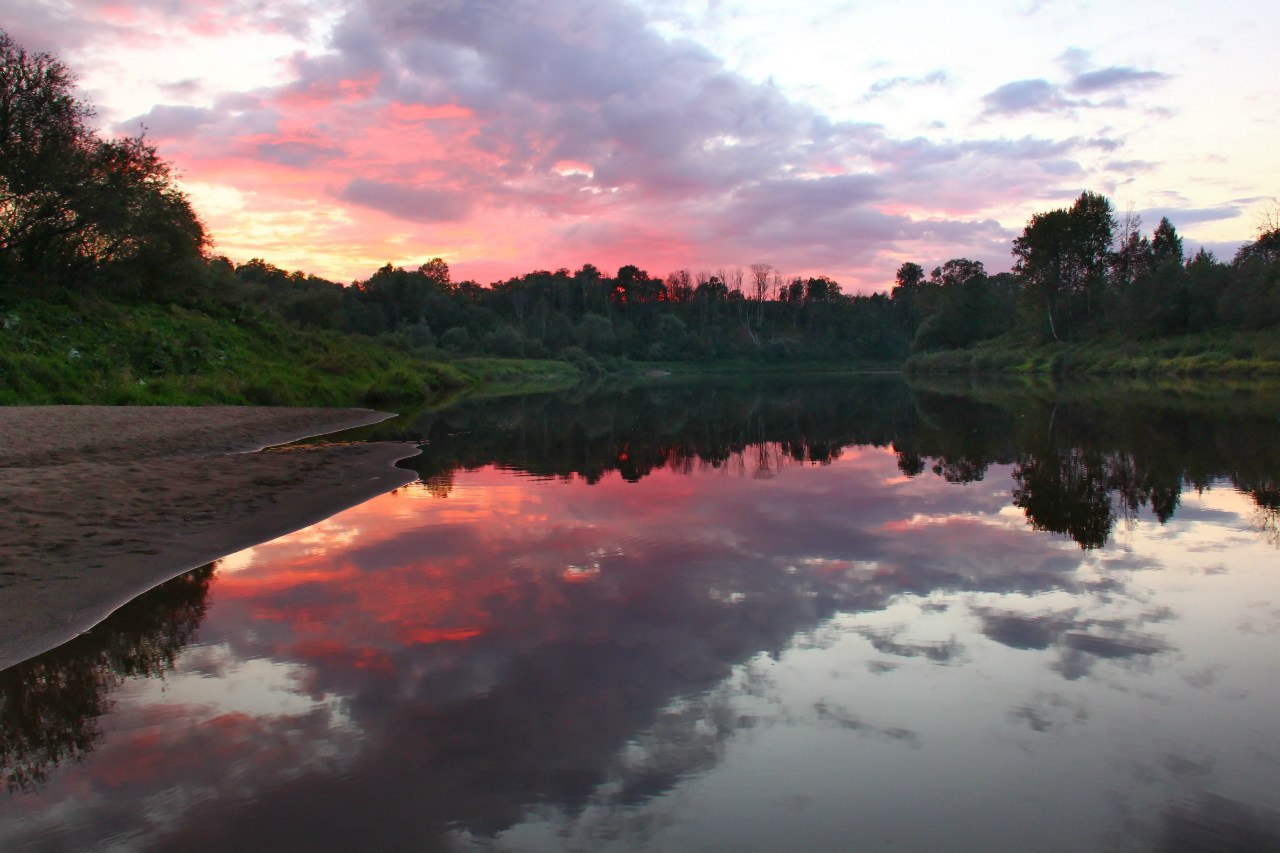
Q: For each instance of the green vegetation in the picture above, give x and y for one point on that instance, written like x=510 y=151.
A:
x=590 y=318
x=1089 y=294
x=1202 y=354
x=107 y=294
x=1085 y=295
x=89 y=350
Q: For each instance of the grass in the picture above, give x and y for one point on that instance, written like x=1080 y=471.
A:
x=732 y=368
x=1205 y=354
x=86 y=350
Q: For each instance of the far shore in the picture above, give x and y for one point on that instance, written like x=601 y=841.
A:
x=98 y=504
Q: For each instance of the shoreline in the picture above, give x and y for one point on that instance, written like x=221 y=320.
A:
x=99 y=504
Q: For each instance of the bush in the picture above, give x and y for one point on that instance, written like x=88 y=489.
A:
x=595 y=334
x=580 y=359
x=505 y=342
x=456 y=340
x=781 y=349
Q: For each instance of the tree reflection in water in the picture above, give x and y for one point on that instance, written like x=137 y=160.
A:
x=50 y=704
x=1083 y=459
x=479 y=685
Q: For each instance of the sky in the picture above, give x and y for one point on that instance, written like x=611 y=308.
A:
x=823 y=137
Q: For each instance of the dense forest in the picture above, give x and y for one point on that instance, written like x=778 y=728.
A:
x=81 y=214
x=1078 y=275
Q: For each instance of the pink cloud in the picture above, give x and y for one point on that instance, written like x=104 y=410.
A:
x=445 y=129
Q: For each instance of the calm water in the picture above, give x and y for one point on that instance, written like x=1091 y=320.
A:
x=826 y=618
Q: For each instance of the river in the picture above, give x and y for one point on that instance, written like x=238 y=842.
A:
x=827 y=615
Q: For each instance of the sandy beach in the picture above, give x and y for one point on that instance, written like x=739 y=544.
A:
x=99 y=504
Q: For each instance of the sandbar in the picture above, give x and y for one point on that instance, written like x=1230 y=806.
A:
x=99 y=504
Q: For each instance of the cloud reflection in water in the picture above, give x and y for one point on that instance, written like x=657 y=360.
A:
x=554 y=663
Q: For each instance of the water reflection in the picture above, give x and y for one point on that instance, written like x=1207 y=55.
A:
x=50 y=704
x=787 y=618
x=1084 y=458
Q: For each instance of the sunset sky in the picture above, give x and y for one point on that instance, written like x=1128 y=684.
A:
x=823 y=137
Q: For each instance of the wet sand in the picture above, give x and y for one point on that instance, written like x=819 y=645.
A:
x=99 y=504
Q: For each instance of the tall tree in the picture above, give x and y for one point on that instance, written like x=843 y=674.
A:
x=76 y=208
x=42 y=122
x=1132 y=257
x=1166 y=245
x=1062 y=259
x=760 y=277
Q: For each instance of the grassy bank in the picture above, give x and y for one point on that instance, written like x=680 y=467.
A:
x=86 y=350
x=734 y=368
x=1190 y=395
x=1208 y=354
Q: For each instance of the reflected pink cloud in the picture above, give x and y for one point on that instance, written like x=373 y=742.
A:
x=506 y=554
x=466 y=654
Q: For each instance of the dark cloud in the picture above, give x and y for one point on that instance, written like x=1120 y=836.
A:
x=1042 y=96
x=841 y=717
x=1103 y=143
x=182 y=88
x=299 y=155
x=886 y=642
x=1114 y=77
x=669 y=133
x=1183 y=216
x=1129 y=166
x=1023 y=96
x=1208 y=821
x=417 y=204
x=1049 y=711
x=1075 y=60
x=933 y=78
x=1081 y=641
x=1022 y=631
x=228 y=122
x=170 y=121
x=78 y=25
x=1122 y=645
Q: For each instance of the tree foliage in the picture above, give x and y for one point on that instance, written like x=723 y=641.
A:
x=1062 y=259
x=77 y=209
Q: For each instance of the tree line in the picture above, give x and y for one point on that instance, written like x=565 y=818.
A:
x=589 y=314
x=1079 y=465
x=1081 y=273
x=81 y=213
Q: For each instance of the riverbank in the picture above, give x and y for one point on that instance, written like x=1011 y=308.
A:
x=86 y=350
x=100 y=504
x=1242 y=354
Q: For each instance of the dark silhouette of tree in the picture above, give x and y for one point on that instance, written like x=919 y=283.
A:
x=1166 y=245
x=49 y=705
x=963 y=305
x=42 y=123
x=1062 y=258
x=1132 y=258
x=75 y=208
